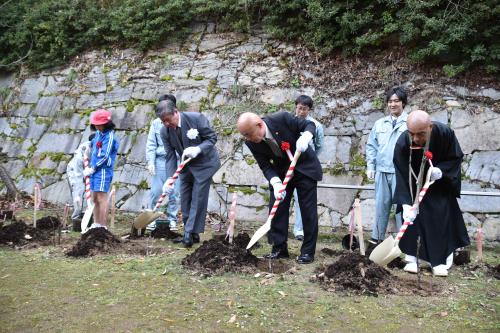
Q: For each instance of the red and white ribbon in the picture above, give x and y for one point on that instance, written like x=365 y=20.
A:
x=288 y=176
x=87 y=179
x=171 y=181
x=421 y=195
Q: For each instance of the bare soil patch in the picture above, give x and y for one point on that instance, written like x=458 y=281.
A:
x=216 y=257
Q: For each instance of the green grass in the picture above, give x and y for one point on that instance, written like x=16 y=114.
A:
x=42 y=290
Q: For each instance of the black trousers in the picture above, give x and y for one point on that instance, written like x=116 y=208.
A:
x=308 y=199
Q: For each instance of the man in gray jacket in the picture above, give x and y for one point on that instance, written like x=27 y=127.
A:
x=155 y=156
x=189 y=135
x=379 y=153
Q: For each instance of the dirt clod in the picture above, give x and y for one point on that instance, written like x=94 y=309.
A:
x=396 y=263
x=461 y=257
x=48 y=223
x=216 y=257
x=19 y=233
x=94 y=241
x=353 y=272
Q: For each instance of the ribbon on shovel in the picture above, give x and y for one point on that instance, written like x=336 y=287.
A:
x=267 y=226
x=37 y=201
x=232 y=216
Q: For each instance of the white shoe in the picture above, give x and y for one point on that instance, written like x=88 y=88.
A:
x=440 y=270
x=411 y=267
x=173 y=227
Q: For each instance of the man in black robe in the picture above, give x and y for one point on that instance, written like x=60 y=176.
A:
x=437 y=219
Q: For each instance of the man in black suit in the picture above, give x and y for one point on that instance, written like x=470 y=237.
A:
x=264 y=137
x=190 y=135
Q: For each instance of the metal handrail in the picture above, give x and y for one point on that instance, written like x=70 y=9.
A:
x=371 y=188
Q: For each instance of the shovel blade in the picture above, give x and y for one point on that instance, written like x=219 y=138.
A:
x=385 y=252
x=145 y=218
x=259 y=233
x=87 y=216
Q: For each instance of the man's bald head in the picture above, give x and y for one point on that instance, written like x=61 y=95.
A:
x=419 y=125
x=251 y=127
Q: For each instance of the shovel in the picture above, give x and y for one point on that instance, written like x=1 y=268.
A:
x=90 y=203
x=149 y=216
x=267 y=226
x=389 y=250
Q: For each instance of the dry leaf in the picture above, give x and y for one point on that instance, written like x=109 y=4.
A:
x=232 y=319
x=281 y=293
x=443 y=314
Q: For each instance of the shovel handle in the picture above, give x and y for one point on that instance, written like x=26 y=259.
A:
x=288 y=176
x=171 y=181
x=421 y=195
x=87 y=179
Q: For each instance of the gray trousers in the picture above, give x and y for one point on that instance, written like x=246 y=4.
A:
x=385 y=184
x=194 y=202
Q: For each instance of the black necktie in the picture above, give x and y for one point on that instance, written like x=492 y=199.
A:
x=274 y=147
x=394 y=122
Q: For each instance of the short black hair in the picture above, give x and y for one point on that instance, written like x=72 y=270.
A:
x=398 y=91
x=107 y=127
x=169 y=97
x=304 y=100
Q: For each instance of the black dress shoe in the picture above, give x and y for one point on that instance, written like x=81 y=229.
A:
x=299 y=237
x=305 y=259
x=277 y=254
x=196 y=237
x=188 y=239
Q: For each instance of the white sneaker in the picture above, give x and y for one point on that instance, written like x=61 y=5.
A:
x=173 y=227
x=411 y=267
x=440 y=270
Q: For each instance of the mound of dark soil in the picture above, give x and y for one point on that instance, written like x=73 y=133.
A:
x=353 y=272
x=48 y=223
x=19 y=233
x=162 y=230
x=94 y=241
x=216 y=257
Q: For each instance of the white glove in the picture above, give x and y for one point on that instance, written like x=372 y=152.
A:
x=279 y=190
x=409 y=213
x=303 y=142
x=151 y=170
x=88 y=171
x=370 y=174
x=436 y=173
x=167 y=187
x=191 y=152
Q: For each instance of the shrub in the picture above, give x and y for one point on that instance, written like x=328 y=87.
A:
x=457 y=35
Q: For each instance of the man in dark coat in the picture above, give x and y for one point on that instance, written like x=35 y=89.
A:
x=264 y=138
x=189 y=135
x=437 y=219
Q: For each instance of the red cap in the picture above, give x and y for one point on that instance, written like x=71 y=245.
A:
x=100 y=117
